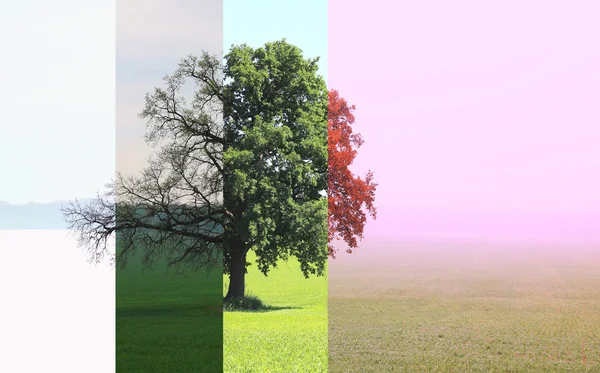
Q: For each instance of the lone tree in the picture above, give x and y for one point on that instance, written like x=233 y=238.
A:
x=351 y=198
x=241 y=166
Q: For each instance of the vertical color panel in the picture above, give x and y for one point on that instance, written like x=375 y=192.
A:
x=289 y=334
x=56 y=144
x=166 y=321
x=480 y=125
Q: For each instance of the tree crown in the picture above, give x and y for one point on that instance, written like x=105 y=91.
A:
x=243 y=160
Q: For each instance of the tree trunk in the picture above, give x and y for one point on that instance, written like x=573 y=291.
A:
x=237 y=274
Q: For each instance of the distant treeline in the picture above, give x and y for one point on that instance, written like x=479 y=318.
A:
x=32 y=216
x=189 y=215
x=184 y=214
x=41 y=216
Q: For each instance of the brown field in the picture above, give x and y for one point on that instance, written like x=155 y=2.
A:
x=465 y=308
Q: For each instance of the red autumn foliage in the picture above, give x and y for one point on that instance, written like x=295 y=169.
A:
x=351 y=197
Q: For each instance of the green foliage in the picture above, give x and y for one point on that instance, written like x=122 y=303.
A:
x=275 y=113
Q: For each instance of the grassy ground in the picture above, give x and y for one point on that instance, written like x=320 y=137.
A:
x=168 y=323
x=424 y=309
x=292 y=337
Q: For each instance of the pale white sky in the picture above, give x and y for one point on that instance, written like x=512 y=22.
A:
x=57 y=96
x=152 y=37
x=61 y=91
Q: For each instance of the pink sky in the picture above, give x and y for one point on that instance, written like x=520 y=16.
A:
x=481 y=119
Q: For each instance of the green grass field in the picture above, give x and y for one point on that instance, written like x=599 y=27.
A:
x=422 y=309
x=290 y=339
x=168 y=323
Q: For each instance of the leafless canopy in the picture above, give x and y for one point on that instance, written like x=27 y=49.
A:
x=173 y=209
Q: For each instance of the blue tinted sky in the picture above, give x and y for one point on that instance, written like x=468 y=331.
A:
x=303 y=23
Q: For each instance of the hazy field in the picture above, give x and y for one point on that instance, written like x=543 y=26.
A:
x=287 y=340
x=465 y=308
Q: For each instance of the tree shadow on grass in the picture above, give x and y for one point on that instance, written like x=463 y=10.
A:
x=252 y=304
x=189 y=310
x=263 y=309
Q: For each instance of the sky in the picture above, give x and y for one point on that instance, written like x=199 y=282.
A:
x=57 y=71
x=480 y=119
x=149 y=47
x=82 y=116
x=302 y=23
x=70 y=115
x=60 y=140
x=152 y=37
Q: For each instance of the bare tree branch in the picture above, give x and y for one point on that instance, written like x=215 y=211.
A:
x=174 y=208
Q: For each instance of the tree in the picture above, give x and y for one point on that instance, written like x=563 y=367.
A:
x=349 y=195
x=242 y=167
